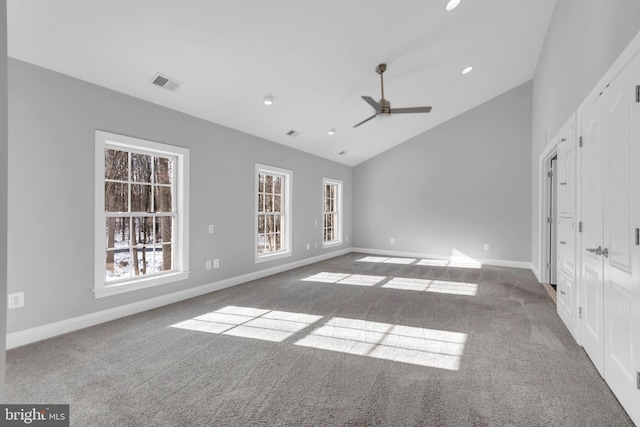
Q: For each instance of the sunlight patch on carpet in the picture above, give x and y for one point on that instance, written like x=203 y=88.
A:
x=435 y=286
x=346 y=279
x=247 y=322
x=406 y=344
x=457 y=260
x=388 y=260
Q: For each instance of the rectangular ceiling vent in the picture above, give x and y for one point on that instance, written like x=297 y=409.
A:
x=166 y=82
x=293 y=133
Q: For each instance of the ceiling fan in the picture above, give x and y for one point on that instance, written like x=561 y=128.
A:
x=384 y=106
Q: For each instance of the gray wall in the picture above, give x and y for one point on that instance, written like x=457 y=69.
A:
x=457 y=186
x=51 y=186
x=3 y=189
x=584 y=39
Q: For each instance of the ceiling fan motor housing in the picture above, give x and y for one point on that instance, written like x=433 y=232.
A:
x=385 y=107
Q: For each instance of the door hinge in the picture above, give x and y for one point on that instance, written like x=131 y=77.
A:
x=637 y=94
x=580 y=227
x=580 y=312
x=550 y=174
x=580 y=142
x=638 y=381
x=549 y=220
x=549 y=266
x=637 y=236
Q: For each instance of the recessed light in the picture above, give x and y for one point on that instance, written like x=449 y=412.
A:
x=451 y=4
x=331 y=132
x=467 y=70
x=268 y=100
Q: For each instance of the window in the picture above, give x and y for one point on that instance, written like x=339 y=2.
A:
x=332 y=214
x=141 y=222
x=273 y=213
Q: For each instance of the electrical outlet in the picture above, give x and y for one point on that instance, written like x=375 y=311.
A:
x=347 y=238
x=486 y=246
x=316 y=222
x=211 y=229
x=16 y=300
x=216 y=263
x=392 y=241
x=308 y=246
x=208 y=265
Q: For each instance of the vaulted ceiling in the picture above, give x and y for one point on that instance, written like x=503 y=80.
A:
x=315 y=58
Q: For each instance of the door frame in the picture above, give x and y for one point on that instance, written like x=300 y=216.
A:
x=552 y=228
x=544 y=202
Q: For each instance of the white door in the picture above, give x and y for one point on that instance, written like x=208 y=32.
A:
x=566 y=300
x=592 y=264
x=621 y=172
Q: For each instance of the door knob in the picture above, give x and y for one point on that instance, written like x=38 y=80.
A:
x=597 y=251
x=605 y=252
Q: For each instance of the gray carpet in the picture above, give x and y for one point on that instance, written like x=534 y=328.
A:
x=373 y=343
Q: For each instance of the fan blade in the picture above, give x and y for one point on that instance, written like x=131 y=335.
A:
x=365 y=120
x=410 y=110
x=371 y=102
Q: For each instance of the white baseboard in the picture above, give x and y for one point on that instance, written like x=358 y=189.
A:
x=536 y=273
x=28 y=336
x=495 y=262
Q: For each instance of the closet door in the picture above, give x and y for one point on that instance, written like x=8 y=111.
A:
x=566 y=298
x=592 y=264
x=621 y=218
x=610 y=248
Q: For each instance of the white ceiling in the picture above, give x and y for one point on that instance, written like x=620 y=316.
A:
x=316 y=58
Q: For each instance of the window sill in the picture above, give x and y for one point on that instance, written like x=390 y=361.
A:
x=121 y=288
x=331 y=244
x=271 y=257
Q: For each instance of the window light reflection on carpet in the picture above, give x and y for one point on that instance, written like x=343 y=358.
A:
x=406 y=344
x=346 y=279
x=436 y=286
x=247 y=322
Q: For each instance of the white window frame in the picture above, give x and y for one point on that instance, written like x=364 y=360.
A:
x=338 y=212
x=286 y=213
x=102 y=288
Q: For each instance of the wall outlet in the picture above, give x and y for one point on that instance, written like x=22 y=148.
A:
x=392 y=240
x=316 y=222
x=216 y=263
x=211 y=229
x=208 y=265
x=347 y=238
x=308 y=246
x=486 y=246
x=16 y=300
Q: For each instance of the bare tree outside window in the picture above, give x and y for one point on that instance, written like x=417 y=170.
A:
x=331 y=211
x=139 y=212
x=270 y=213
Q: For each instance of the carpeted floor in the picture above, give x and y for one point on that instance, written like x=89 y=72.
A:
x=357 y=340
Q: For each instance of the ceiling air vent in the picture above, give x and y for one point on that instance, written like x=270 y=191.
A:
x=293 y=133
x=166 y=82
